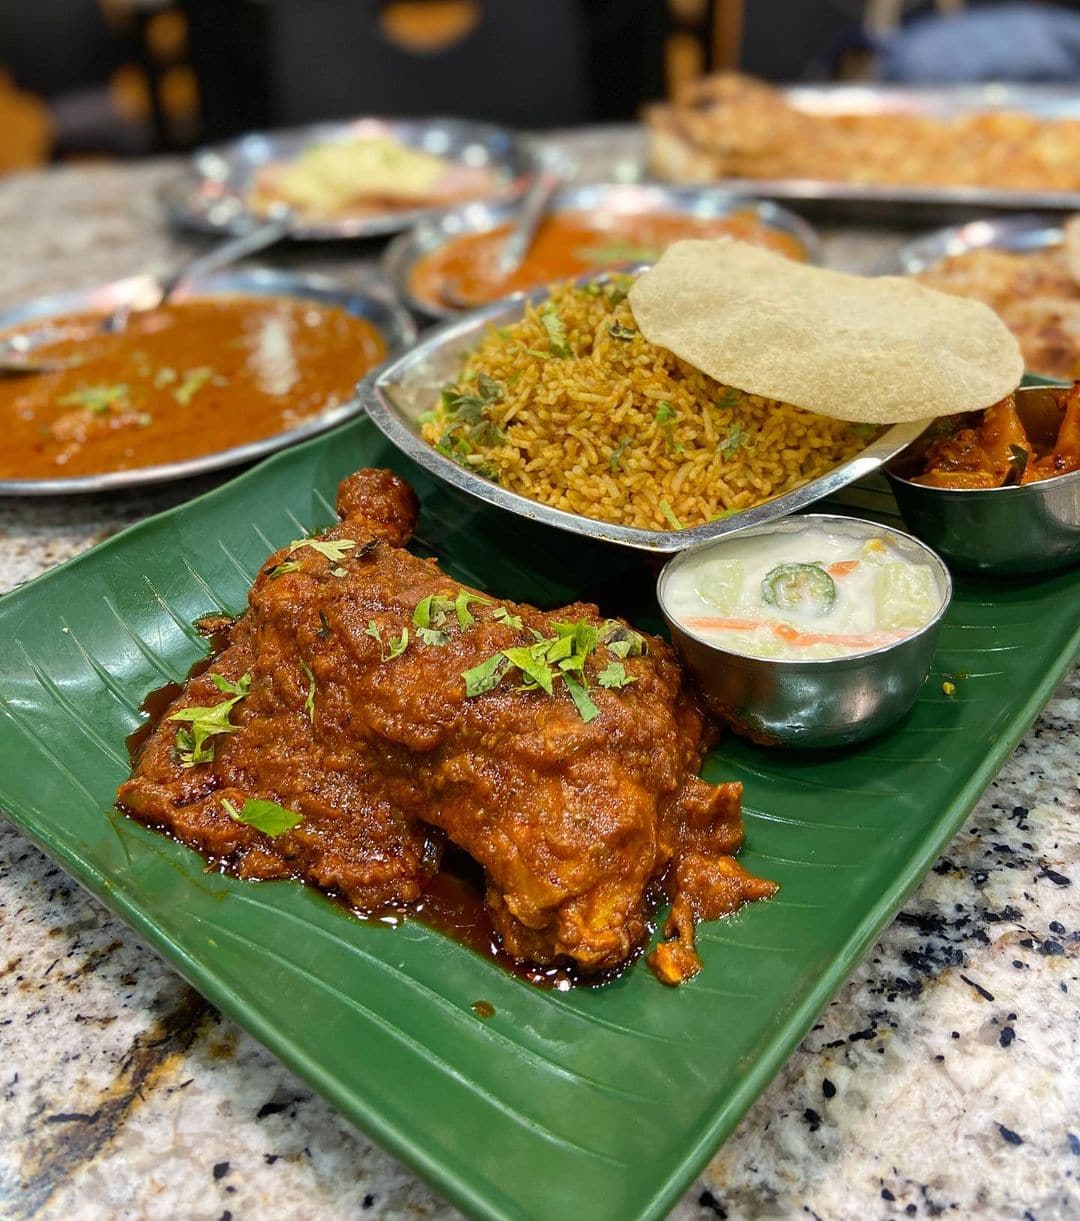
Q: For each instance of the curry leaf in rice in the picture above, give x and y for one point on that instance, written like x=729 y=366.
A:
x=568 y=440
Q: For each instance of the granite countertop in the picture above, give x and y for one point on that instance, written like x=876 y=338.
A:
x=943 y=1079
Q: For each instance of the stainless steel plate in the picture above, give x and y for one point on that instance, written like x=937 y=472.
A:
x=211 y=197
x=374 y=302
x=915 y=202
x=403 y=253
x=1009 y=233
x=401 y=391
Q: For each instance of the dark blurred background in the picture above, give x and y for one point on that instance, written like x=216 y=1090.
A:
x=116 y=78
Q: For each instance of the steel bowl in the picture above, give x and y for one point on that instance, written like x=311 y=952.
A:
x=374 y=302
x=1011 y=531
x=398 y=393
x=212 y=195
x=813 y=702
x=406 y=250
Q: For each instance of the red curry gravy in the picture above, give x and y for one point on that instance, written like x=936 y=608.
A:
x=188 y=379
x=569 y=244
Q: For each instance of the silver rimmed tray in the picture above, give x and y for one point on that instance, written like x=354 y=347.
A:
x=1020 y=233
x=914 y=203
x=212 y=195
x=397 y=394
x=374 y=302
x=705 y=202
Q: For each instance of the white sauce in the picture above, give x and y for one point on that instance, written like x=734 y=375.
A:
x=879 y=595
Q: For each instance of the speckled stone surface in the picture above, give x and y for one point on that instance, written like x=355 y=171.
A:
x=943 y=1080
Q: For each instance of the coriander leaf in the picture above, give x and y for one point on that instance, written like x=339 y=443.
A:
x=96 y=399
x=665 y=413
x=669 y=514
x=485 y=676
x=736 y=437
x=728 y=400
x=279 y=570
x=461 y=607
x=206 y=722
x=617 y=453
x=239 y=688
x=617 y=331
x=398 y=645
x=537 y=672
x=501 y=615
x=265 y=816
x=193 y=381
x=556 y=333
x=537 y=352
x=432 y=611
x=512 y=379
x=490 y=390
x=333 y=549
x=432 y=636
x=866 y=431
x=309 y=703
x=614 y=675
x=621 y=640
x=587 y=710
x=338 y=572
x=372 y=630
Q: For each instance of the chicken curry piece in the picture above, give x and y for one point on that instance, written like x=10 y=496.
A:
x=367 y=709
x=996 y=450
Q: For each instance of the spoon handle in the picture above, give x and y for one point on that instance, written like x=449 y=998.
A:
x=532 y=210
x=231 y=251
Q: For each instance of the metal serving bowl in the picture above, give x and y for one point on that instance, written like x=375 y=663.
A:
x=813 y=702
x=398 y=393
x=374 y=302
x=212 y=195
x=1013 y=531
x=705 y=203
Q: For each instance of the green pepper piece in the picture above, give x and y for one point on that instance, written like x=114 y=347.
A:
x=804 y=588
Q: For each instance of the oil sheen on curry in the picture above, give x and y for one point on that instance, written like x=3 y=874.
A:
x=571 y=243
x=181 y=381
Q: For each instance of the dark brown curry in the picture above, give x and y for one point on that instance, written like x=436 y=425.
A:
x=181 y=381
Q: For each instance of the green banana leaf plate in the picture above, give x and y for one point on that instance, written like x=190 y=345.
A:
x=606 y=1101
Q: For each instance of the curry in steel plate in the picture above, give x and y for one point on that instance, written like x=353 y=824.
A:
x=180 y=381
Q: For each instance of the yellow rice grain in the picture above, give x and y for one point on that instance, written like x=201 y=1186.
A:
x=581 y=432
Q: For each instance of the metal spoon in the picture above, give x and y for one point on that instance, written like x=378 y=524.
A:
x=534 y=205
x=267 y=234
x=14 y=361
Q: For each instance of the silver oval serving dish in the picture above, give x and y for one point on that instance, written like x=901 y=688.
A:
x=1010 y=531
x=399 y=392
x=704 y=202
x=813 y=702
x=1018 y=233
x=212 y=195
x=375 y=302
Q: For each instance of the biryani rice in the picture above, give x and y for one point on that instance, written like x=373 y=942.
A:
x=621 y=430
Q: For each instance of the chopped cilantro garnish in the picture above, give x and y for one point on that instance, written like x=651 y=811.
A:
x=192 y=382
x=587 y=710
x=461 y=607
x=621 y=640
x=432 y=636
x=736 y=436
x=529 y=659
x=333 y=549
x=193 y=745
x=728 y=400
x=96 y=399
x=265 y=816
x=309 y=703
x=617 y=453
x=669 y=516
x=286 y=566
x=485 y=676
x=865 y=431
x=432 y=611
x=614 y=675
x=617 y=331
x=665 y=413
x=392 y=648
x=556 y=333
x=501 y=615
